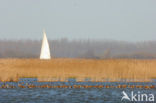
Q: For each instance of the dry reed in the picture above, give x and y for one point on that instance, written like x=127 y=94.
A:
x=60 y=69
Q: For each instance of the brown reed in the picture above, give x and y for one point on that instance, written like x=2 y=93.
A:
x=63 y=68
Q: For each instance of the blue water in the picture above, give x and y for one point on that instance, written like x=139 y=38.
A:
x=62 y=95
x=69 y=95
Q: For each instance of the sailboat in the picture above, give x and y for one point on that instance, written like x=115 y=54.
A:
x=45 y=50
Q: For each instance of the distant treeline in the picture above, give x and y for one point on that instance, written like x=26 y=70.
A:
x=98 y=49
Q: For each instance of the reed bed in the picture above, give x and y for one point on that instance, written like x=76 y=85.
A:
x=63 y=68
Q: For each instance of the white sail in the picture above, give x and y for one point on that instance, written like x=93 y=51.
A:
x=45 y=50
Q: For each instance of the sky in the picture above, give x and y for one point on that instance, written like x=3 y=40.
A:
x=128 y=20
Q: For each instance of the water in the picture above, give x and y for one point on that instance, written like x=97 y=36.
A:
x=69 y=95
x=63 y=95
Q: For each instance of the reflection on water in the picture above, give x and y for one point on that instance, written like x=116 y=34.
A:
x=68 y=95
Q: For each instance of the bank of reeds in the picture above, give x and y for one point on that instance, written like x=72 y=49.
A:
x=61 y=69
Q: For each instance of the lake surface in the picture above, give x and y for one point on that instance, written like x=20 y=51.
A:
x=63 y=95
x=71 y=95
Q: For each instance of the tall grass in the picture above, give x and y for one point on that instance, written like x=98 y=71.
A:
x=61 y=69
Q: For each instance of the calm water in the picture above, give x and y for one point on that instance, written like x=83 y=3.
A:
x=70 y=95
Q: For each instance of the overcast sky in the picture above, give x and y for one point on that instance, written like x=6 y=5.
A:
x=129 y=20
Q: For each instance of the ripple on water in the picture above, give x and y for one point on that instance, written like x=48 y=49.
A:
x=63 y=95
